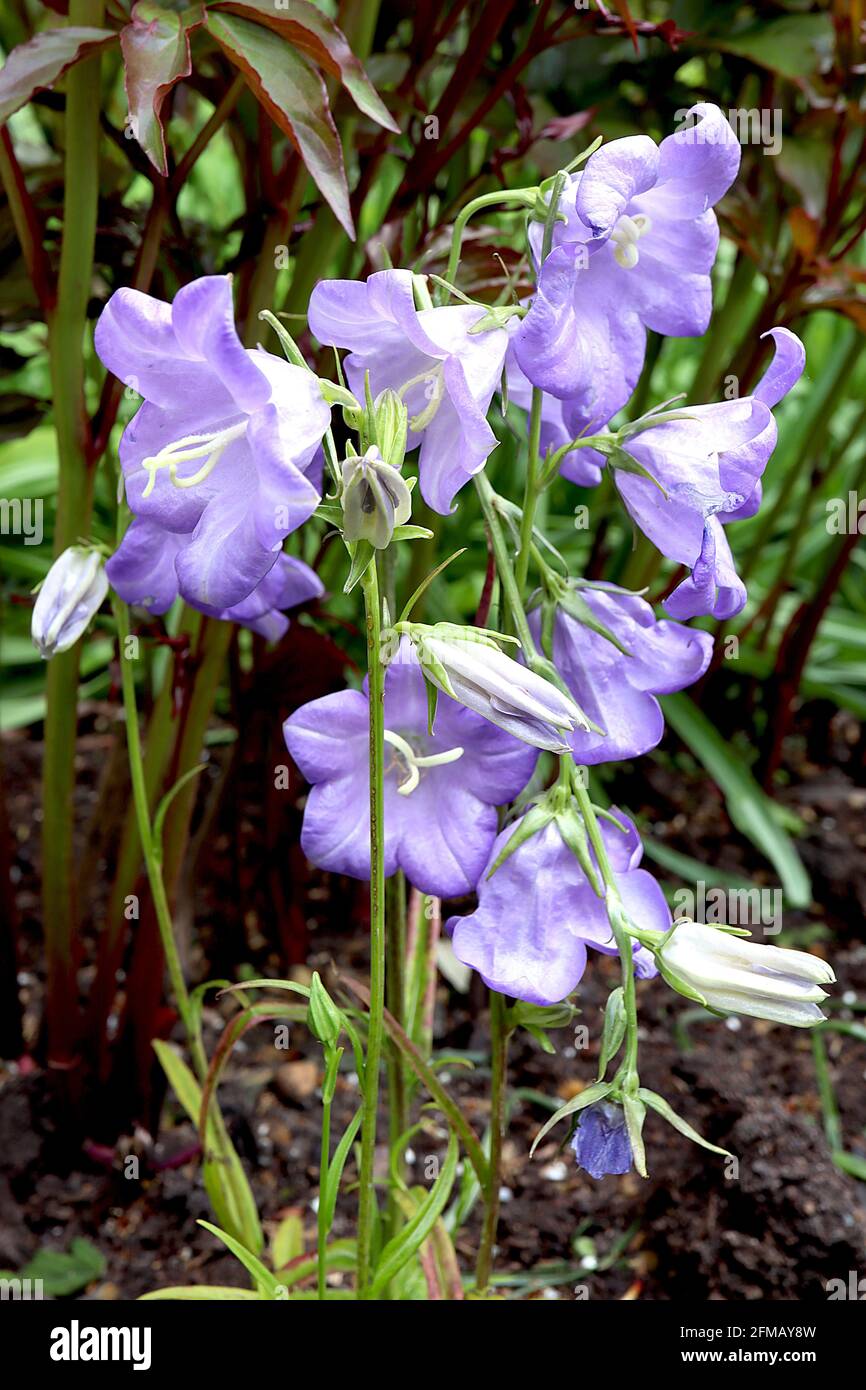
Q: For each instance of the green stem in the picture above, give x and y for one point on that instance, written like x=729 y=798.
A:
x=398 y=1092
x=530 y=493
x=487 y=498
x=623 y=940
x=66 y=327
x=150 y=849
x=498 y=1069
x=533 y=464
x=324 y=1161
x=525 y=196
x=376 y=676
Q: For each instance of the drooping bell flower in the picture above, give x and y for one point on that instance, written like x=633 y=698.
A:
x=709 y=465
x=538 y=912
x=219 y=450
x=702 y=467
x=600 y=1142
x=635 y=252
x=144 y=572
x=615 y=682
x=69 y=596
x=444 y=373
x=735 y=975
x=441 y=790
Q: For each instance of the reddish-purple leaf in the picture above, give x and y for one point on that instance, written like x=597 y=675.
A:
x=315 y=33
x=295 y=97
x=38 y=63
x=156 y=55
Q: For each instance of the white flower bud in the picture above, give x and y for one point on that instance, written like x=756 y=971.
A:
x=70 y=595
x=735 y=975
x=473 y=670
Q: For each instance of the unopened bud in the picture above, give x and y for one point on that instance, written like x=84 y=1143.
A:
x=324 y=1019
x=70 y=595
x=376 y=498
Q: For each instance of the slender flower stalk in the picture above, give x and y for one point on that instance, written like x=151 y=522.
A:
x=587 y=810
x=322 y=1230
x=533 y=465
x=376 y=674
x=151 y=851
x=499 y=1033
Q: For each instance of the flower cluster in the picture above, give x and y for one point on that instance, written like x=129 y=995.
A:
x=223 y=461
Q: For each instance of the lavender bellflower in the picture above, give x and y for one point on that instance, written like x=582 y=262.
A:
x=217 y=453
x=634 y=252
x=445 y=373
x=441 y=790
x=538 y=913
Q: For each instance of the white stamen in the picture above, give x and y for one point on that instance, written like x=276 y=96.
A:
x=626 y=235
x=434 y=393
x=209 y=447
x=413 y=762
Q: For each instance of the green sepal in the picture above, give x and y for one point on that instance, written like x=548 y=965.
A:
x=497 y=316
x=432 y=703
x=577 y=607
x=624 y=462
x=537 y=1018
x=362 y=554
x=324 y=1019
x=337 y=395
x=613 y=1031
x=573 y=834
x=661 y=1107
x=411 y=533
x=676 y=983
x=287 y=343
x=598 y=1091
x=537 y=818
x=635 y=1114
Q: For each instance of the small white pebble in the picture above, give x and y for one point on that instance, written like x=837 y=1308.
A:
x=733 y=1024
x=849 y=997
x=555 y=1172
x=550 y=1293
x=505 y=1194
x=314 y=1204
x=589 y=1262
x=409 y=1155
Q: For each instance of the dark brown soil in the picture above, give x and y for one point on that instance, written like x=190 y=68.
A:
x=783 y=1225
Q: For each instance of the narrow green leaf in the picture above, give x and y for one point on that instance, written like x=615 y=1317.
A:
x=362 y=554
x=403 y=1246
x=335 y=1169
x=259 y=1273
x=202 y=1293
x=593 y=1093
x=661 y=1107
